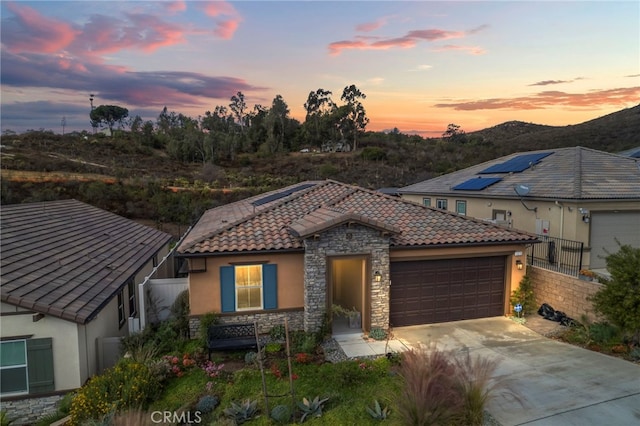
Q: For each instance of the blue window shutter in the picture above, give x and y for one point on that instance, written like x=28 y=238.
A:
x=228 y=288
x=40 y=365
x=270 y=286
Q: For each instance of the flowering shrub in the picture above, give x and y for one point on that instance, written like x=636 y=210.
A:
x=303 y=358
x=128 y=384
x=212 y=369
x=173 y=366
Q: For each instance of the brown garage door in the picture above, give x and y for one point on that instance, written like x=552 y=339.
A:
x=430 y=291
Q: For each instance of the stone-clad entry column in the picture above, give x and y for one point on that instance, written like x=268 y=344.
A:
x=351 y=239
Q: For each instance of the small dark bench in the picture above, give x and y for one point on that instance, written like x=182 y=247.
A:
x=223 y=337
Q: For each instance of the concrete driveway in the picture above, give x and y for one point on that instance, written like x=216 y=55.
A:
x=541 y=381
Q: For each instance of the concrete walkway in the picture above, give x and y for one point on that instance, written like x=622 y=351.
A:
x=354 y=345
x=540 y=381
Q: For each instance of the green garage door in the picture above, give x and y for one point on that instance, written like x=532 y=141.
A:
x=432 y=291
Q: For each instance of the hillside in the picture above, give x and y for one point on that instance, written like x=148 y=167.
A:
x=121 y=175
x=612 y=133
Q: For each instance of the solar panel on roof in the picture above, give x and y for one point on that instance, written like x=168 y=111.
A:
x=282 y=194
x=476 y=184
x=517 y=164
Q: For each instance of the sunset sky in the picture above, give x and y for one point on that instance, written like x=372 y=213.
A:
x=421 y=64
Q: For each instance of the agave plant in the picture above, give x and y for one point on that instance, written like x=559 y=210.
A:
x=242 y=412
x=281 y=414
x=377 y=411
x=311 y=408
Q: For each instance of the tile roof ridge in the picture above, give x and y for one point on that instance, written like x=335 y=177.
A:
x=257 y=213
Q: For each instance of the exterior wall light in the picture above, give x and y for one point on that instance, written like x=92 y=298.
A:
x=519 y=265
x=377 y=276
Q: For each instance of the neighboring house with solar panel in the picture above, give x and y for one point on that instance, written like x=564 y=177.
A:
x=295 y=252
x=70 y=275
x=577 y=194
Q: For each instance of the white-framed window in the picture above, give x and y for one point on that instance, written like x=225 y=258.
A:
x=133 y=306
x=426 y=202
x=461 y=207
x=248 y=287
x=14 y=375
x=121 y=314
x=441 y=203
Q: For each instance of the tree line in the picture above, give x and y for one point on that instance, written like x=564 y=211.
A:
x=229 y=130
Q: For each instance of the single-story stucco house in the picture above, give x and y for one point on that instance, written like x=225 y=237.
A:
x=70 y=273
x=295 y=252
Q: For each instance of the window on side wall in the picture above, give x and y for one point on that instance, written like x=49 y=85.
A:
x=26 y=366
x=121 y=314
x=13 y=367
x=248 y=287
x=426 y=202
x=133 y=306
x=441 y=203
x=461 y=207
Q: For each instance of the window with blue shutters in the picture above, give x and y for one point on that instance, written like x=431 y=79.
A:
x=248 y=287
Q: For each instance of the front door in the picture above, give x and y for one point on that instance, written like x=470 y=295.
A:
x=347 y=289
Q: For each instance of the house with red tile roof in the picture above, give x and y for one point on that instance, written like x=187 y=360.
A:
x=298 y=251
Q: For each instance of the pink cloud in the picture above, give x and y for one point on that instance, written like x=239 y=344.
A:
x=226 y=29
x=620 y=96
x=32 y=32
x=175 y=6
x=472 y=50
x=370 y=26
x=435 y=34
x=409 y=40
x=139 y=31
x=217 y=8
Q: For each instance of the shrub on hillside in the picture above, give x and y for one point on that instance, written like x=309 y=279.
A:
x=619 y=298
x=126 y=385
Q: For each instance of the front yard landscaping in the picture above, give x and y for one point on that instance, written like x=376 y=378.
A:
x=183 y=386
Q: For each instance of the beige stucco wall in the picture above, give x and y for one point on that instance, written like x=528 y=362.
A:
x=204 y=287
x=65 y=341
x=514 y=252
x=565 y=220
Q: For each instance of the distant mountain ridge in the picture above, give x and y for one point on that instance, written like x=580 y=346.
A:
x=614 y=132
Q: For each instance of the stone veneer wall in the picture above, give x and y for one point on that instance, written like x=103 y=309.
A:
x=344 y=240
x=563 y=292
x=29 y=410
x=266 y=321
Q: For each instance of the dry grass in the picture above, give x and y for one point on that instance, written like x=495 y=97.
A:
x=474 y=378
x=429 y=395
x=442 y=389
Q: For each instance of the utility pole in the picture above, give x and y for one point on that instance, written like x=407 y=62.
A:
x=92 y=123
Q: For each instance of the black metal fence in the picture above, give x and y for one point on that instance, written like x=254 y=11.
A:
x=557 y=254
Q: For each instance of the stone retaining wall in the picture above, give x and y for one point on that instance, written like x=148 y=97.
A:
x=266 y=321
x=563 y=292
x=29 y=410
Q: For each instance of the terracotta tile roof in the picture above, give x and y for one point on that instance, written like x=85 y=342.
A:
x=277 y=225
x=69 y=259
x=574 y=173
